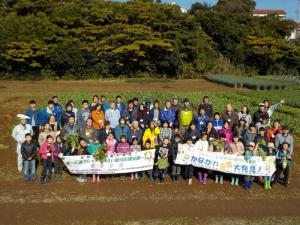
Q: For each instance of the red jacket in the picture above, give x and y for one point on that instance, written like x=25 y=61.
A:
x=43 y=151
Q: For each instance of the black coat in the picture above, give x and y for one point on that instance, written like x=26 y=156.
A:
x=28 y=150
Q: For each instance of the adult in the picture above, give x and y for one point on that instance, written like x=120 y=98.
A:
x=285 y=136
x=136 y=104
x=74 y=110
x=35 y=119
x=130 y=113
x=94 y=102
x=230 y=116
x=260 y=113
x=120 y=105
x=121 y=129
x=54 y=126
x=185 y=115
x=270 y=109
x=46 y=131
x=192 y=133
x=207 y=106
x=104 y=103
x=250 y=134
x=176 y=107
x=168 y=114
x=83 y=114
x=89 y=133
x=18 y=134
x=151 y=135
x=141 y=116
x=57 y=108
x=112 y=115
x=67 y=113
x=273 y=131
x=201 y=120
x=47 y=112
x=155 y=112
x=245 y=115
x=212 y=133
x=135 y=132
x=71 y=128
x=98 y=117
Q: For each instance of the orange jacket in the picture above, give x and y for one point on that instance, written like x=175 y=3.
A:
x=98 y=119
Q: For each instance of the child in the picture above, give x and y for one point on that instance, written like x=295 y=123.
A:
x=162 y=155
x=203 y=146
x=111 y=143
x=270 y=152
x=123 y=148
x=28 y=151
x=189 y=169
x=91 y=150
x=283 y=162
x=135 y=147
x=147 y=146
x=47 y=155
x=174 y=150
x=165 y=131
x=58 y=153
x=236 y=148
x=219 y=146
x=242 y=128
x=227 y=131
x=251 y=150
x=217 y=122
x=82 y=151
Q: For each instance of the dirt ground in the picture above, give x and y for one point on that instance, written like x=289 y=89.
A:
x=129 y=202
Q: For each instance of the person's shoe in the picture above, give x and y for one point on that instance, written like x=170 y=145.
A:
x=98 y=178
x=26 y=180
x=42 y=180
x=269 y=185
x=136 y=176
x=221 y=179
x=205 y=179
x=78 y=179
x=174 y=178
x=177 y=178
x=190 y=182
x=48 y=179
x=237 y=181
x=232 y=181
x=162 y=181
x=266 y=185
x=200 y=178
x=216 y=179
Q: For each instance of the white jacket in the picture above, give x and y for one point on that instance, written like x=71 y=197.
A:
x=20 y=131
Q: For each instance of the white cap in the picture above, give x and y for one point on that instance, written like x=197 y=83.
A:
x=22 y=117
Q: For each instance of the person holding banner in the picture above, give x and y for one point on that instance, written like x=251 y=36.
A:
x=189 y=169
x=236 y=148
x=176 y=169
x=161 y=161
x=147 y=146
x=203 y=146
x=251 y=150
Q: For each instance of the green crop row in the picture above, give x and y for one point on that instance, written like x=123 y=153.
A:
x=251 y=83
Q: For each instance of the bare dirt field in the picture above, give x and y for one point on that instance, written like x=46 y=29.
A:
x=129 y=202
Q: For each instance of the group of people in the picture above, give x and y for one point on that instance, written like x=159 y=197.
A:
x=141 y=125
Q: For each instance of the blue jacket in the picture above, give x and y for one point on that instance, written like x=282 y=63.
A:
x=218 y=124
x=138 y=135
x=121 y=108
x=45 y=116
x=58 y=112
x=121 y=130
x=105 y=106
x=36 y=114
x=167 y=115
x=201 y=122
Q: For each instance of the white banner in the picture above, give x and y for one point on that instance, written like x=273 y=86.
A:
x=114 y=164
x=226 y=163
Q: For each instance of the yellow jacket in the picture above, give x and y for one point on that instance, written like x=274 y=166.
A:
x=151 y=135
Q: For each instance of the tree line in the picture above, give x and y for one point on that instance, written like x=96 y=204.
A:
x=80 y=39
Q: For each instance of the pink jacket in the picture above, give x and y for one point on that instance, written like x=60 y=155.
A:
x=43 y=150
x=228 y=134
x=111 y=145
x=123 y=148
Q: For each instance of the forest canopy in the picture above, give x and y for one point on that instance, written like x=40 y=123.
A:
x=82 y=39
